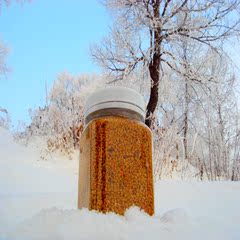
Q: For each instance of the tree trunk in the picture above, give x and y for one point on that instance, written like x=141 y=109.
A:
x=185 y=131
x=153 y=100
x=154 y=68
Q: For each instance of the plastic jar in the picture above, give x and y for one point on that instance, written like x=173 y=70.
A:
x=115 y=170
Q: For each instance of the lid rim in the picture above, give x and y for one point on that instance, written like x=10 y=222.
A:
x=120 y=105
x=101 y=103
x=115 y=97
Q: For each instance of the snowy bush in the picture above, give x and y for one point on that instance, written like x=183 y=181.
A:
x=61 y=120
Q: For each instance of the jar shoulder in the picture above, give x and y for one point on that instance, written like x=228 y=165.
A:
x=117 y=122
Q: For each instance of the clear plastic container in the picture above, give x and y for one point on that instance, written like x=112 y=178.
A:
x=115 y=170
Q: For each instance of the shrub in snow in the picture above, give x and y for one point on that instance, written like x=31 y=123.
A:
x=60 y=122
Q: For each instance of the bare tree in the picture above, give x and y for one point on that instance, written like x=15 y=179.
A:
x=145 y=33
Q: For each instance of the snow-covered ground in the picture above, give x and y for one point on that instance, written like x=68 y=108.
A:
x=38 y=200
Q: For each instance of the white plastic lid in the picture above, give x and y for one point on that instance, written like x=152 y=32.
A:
x=115 y=97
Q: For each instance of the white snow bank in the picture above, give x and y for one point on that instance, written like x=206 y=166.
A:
x=74 y=224
x=38 y=200
x=29 y=184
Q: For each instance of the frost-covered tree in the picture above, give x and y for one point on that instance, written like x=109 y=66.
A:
x=219 y=129
x=199 y=120
x=61 y=121
x=146 y=32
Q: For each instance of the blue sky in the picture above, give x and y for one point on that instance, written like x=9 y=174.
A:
x=46 y=38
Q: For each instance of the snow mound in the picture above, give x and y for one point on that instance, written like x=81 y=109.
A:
x=28 y=183
x=54 y=223
x=83 y=224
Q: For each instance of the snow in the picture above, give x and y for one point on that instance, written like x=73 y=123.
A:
x=38 y=200
x=28 y=184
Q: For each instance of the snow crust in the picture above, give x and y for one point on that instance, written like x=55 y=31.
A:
x=38 y=200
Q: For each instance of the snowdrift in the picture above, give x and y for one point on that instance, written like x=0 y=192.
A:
x=38 y=200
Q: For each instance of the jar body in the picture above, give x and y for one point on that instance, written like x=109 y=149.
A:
x=115 y=170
